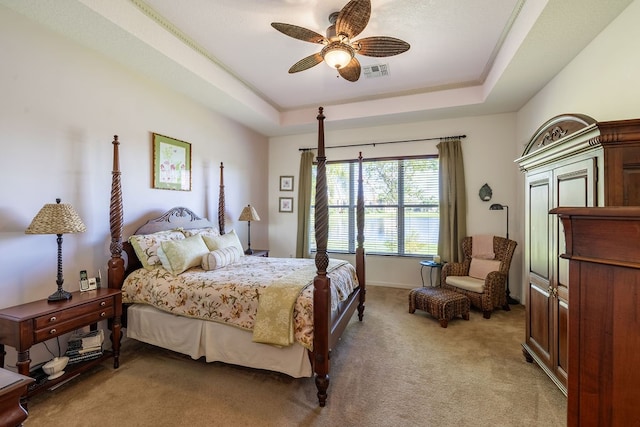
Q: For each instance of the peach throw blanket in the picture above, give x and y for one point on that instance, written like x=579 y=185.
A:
x=482 y=247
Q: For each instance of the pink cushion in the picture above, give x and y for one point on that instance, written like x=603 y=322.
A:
x=482 y=246
x=479 y=268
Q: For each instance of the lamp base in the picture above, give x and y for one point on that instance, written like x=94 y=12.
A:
x=59 y=295
x=249 y=251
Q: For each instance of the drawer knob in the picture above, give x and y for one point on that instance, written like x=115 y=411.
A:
x=103 y=314
x=103 y=303
x=53 y=331
x=53 y=319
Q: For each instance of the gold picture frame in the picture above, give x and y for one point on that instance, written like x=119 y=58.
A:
x=171 y=163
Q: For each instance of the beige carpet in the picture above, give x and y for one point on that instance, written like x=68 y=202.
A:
x=393 y=369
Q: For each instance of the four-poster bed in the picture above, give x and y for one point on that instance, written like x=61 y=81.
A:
x=338 y=289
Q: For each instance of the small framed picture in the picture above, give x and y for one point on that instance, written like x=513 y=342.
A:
x=286 y=183
x=286 y=204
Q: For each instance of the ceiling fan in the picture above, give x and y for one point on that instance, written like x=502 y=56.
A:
x=340 y=49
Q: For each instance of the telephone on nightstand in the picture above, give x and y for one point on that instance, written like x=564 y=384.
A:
x=88 y=283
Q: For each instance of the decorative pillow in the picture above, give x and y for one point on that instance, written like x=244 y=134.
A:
x=224 y=241
x=207 y=231
x=479 y=268
x=180 y=255
x=146 y=246
x=220 y=258
x=482 y=246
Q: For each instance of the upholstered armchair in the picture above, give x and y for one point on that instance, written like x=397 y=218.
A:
x=483 y=281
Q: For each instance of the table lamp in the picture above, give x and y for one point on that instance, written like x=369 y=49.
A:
x=249 y=214
x=57 y=218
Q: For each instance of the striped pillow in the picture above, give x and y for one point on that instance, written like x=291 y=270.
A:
x=220 y=258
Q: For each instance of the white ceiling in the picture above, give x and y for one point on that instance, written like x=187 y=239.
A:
x=467 y=57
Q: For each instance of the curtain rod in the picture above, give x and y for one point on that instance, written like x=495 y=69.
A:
x=389 y=142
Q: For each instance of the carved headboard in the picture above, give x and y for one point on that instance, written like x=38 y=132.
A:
x=178 y=217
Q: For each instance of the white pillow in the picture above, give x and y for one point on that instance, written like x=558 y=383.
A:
x=180 y=255
x=146 y=246
x=479 y=268
x=220 y=258
x=224 y=241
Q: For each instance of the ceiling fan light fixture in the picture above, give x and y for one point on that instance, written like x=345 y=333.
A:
x=340 y=48
x=337 y=55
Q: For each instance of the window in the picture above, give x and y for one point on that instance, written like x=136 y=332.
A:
x=401 y=206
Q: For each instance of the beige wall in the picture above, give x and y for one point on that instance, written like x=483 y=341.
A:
x=603 y=82
x=61 y=105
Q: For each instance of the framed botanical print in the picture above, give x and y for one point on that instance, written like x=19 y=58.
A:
x=171 y=163
x=286 y=204
x=286 y=183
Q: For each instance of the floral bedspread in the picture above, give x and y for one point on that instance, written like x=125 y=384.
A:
x=230 y=294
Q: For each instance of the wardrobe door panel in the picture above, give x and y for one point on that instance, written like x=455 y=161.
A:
x=574 y=186
x=537 y=253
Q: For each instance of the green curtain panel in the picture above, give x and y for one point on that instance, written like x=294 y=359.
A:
x=304 y=204
x=453 y=200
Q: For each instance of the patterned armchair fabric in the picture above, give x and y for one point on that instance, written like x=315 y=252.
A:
x=490 y=293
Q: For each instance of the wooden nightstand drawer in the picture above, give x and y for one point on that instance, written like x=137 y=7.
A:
x=61 y=327
x=24 y=325
x=57 y=317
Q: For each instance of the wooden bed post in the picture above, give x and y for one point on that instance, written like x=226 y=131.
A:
x=360 y=249
x=115 y=266
x=321 y=283
x=221 y=203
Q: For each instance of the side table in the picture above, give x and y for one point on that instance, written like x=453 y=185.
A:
x=260 y=252
x=24 y=325
x=431 y=265
x=12 y=387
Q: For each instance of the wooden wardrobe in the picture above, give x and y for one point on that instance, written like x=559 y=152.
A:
x=603 y=248
x=571 y=161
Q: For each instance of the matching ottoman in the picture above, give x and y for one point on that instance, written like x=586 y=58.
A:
x=443 y=304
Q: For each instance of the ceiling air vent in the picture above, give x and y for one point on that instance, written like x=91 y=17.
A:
x=379 y=70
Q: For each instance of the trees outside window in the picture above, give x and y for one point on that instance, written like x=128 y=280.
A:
x=401 y=206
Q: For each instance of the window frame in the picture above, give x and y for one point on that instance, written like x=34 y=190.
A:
x=400 y=207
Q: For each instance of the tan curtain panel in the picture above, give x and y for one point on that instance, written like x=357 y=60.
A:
x=304 y=204
x=453 y=200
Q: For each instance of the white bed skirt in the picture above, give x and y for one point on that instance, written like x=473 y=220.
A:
x=214 y=341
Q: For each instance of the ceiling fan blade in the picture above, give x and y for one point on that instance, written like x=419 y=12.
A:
x=352 y=71
x=299 y=33
x=306 y=63
x=380 y=46
x=353 y=18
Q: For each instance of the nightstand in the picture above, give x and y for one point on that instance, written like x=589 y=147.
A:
x=260 y=252
x=24 y=325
